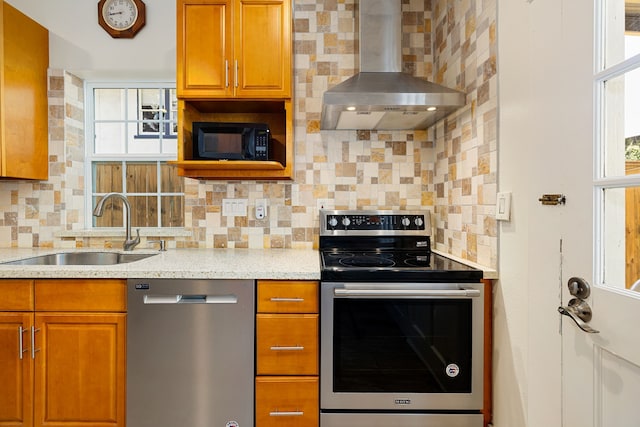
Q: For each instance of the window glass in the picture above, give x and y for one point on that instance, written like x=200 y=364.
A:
x=617 y=180
x=132 y=133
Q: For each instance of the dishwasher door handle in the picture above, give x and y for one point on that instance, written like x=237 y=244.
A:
x=190 y=299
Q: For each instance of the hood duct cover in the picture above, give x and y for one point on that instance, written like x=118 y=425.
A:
x=381 y=97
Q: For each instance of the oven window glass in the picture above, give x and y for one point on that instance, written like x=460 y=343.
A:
x=402 y=345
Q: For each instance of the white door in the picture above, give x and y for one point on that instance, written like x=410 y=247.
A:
x=601 y=371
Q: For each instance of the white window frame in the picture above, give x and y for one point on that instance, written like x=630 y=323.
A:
x=601 y=182
x=91 y=157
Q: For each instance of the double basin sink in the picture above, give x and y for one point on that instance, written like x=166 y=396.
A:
x=82 y=258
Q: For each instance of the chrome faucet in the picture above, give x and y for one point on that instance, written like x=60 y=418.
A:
x=129 y=243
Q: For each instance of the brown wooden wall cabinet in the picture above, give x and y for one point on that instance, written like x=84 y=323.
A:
x=75 y=373
x=287 y=388
x=24 y=59
x=234 y=65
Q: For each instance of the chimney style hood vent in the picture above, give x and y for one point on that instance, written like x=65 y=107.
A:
x=381 y=97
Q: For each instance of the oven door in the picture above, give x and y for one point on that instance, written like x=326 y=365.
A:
x=402 y=346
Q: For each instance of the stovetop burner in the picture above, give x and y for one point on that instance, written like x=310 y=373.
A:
x=381 y=246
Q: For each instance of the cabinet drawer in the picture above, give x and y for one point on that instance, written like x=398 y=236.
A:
x=287 y=344
x=16 y=295
x=97 y=295
x=287 y=402
x=287 y=296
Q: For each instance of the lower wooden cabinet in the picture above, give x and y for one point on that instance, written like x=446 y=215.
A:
x=287 y=401
x=287 y=389
x=62 y=358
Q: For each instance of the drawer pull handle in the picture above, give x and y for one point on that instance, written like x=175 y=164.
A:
x=277 y=413
x=282 y=299
x=287 y=348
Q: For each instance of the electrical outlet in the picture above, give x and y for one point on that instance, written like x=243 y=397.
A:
x=261 y=208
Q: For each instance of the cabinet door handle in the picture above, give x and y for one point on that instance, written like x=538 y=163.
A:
x=277 y=413
x=235 y=77
x=226 y=73
x=21 y=349
x=33 y=341
x=283 y=299
x=287 y=347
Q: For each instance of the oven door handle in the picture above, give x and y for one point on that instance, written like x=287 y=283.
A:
x=406 y=293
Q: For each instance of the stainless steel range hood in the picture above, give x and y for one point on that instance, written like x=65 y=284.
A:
x=381 y=96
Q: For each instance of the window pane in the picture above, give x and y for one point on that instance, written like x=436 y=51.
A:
x=621 y=236
x=109 y=104
x=109 y=138
x=144 y=211
x=142 y=177
x=107 y=177
x=172 y=211
x=170 y=182
x=622 y=31
x=112 y=213
x=621 y=113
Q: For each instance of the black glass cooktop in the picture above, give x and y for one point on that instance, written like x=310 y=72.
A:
x=396 y=266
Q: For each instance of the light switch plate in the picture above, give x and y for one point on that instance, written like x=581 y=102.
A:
x=503 y=206
x=234 y=207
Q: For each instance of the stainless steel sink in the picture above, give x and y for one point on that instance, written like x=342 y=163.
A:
x=81 y=258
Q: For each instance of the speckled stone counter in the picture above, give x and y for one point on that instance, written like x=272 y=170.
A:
x=275 y=264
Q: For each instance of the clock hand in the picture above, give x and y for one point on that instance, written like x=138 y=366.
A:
x=115 y=13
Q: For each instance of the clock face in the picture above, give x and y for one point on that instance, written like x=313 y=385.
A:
x=120 y=14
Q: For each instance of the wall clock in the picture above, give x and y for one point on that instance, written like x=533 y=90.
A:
x=121 y=18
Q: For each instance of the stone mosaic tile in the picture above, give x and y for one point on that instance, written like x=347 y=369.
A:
x=450 y=169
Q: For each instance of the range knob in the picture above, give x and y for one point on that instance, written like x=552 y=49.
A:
x=346 y=221
x=406 y=222
x=418 y=221
x=333 y=221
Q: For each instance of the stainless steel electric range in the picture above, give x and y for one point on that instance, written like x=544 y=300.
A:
x=401 y=327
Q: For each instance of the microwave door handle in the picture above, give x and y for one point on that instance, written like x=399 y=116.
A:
x=406 y=293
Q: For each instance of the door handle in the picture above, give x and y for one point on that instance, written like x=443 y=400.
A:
x=578 y=309
x=580 y=312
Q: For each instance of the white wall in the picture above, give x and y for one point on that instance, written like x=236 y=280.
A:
x=77 y=43
x=545 y=108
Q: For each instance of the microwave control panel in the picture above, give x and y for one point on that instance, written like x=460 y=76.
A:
x=262 y=145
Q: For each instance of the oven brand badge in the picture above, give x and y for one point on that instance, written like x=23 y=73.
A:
x=452 y=370
x=402 y=401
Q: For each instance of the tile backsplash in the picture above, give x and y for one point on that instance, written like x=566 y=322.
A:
x=449 y=169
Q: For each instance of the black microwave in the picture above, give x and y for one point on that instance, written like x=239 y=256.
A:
x=230 y=141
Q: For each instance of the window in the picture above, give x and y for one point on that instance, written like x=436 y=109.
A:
x=131 y=134
x=617 y=177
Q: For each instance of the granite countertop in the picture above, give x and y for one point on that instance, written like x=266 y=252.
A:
x=277 y=264
x=274 y=264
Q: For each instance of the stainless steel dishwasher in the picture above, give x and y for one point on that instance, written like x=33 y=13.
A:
x=190 y=353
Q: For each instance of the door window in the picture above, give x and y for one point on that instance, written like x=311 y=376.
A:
x=617 y=180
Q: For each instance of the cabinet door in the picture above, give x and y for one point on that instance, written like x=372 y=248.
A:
x=287 y=402
x=262 y=40
x=80 y=370
x=24 y=127
x=16 y=373
x=204 y=49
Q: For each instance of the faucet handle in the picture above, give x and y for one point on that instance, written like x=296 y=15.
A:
x=162 y=243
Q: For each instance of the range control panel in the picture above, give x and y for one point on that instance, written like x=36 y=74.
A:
x=394 y=222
